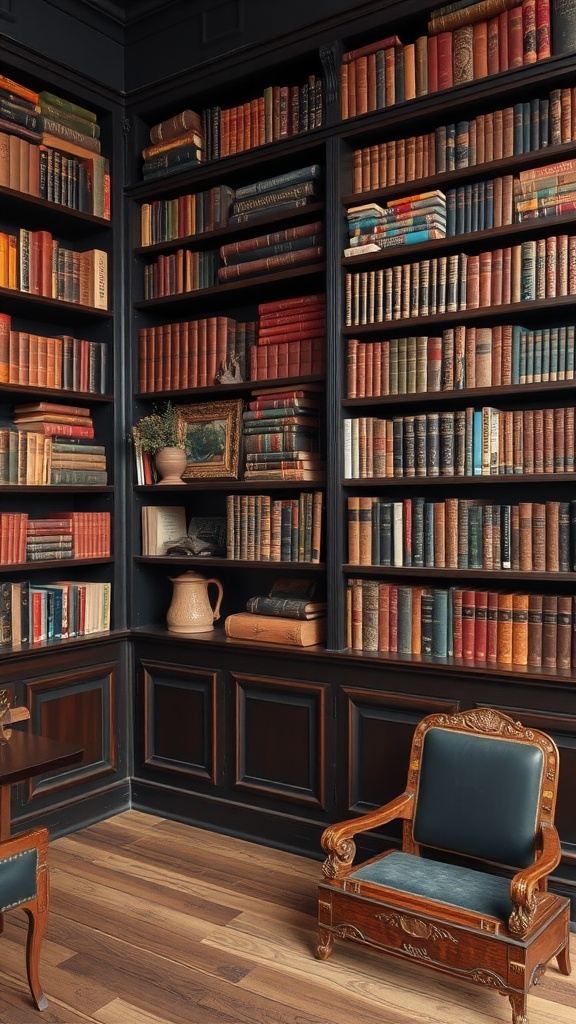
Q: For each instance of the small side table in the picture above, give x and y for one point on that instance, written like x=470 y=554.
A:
x=25 y=755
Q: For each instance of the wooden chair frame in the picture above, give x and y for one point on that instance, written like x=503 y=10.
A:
x=36 y=909
x=508 y=955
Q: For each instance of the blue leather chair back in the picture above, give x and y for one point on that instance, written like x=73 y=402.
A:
x=479 y=796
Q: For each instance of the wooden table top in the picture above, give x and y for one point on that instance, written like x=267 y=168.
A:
x=25 y=755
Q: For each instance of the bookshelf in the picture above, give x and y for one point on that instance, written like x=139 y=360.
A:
x=59 y=378
x=352 y=702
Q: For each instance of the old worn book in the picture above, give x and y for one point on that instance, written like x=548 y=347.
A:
x=275 y=630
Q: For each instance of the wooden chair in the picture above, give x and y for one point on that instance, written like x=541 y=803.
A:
x=24 y=883
x=480 y=788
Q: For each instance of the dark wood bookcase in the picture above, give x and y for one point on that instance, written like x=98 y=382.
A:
x=71 y=686
x=273 y=742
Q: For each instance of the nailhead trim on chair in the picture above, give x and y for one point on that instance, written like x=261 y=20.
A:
x=10 y=906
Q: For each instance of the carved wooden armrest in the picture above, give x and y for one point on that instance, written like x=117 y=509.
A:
x=525 y=885
x=337 y=839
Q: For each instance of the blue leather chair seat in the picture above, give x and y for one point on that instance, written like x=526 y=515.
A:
x=442 y=883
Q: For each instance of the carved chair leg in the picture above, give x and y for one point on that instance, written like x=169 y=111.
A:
x=36 y=928
x=325 y=944
x=563 y=959
x=518 y=1002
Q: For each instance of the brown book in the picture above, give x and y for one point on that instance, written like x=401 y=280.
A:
x=275 y=629
x=552 y=536
x=535 y=602
x=468 y=15
x=520 y=604
x=480 y=49
x=504 y=641
x=525 y=538
x=462 y=54
x=549 y=630
x=492 y=628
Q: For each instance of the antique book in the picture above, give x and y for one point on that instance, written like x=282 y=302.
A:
x=275 y=630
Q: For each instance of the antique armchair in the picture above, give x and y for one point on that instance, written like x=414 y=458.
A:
x=24 y=884
x=481 y=789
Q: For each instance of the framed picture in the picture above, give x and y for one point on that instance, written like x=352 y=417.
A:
x=213 y=431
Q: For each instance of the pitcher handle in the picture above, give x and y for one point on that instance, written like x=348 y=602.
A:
x=216 y=610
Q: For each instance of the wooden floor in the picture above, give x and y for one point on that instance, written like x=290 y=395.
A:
x=154 y=922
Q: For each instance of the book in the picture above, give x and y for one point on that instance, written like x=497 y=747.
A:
x=275 y=629
x=279 y=181
x=289 y=607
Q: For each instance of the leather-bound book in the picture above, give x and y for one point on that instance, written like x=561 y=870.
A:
x=564 y=636
x=520 y=603
x=535 y=602
x=504 y=641
x=549 y=630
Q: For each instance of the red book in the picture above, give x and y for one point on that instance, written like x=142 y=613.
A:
x=384 y=617
x=515 y=38
x=457 y=623
x=481 y=625
x=445 y=73
x=493 y=46
x=543 y=48
x=492 y=628
x=503 y=41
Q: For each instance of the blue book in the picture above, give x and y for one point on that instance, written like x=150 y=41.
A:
x=451 y=212
x=385 y=532
x=545 y=353
x=279 y=181
x=477 y=443
x=404 y=620
x=376 y=533
x=429 y=534
x=516 y=336
x=439 y=623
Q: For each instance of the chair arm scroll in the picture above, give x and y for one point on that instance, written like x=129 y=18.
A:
x=526 y=884
x=337 y=840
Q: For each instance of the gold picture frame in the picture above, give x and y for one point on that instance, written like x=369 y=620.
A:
x=213 y=431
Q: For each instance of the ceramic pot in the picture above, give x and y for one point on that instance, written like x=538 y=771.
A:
x=170 y=464
x=190 y=610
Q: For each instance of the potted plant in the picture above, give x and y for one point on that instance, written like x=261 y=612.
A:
x=163 y=435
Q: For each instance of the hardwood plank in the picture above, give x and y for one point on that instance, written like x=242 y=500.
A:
x=155 y=922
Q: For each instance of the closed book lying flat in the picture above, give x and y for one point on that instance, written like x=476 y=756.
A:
x=275 y=629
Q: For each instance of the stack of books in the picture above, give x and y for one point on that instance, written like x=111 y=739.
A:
x=175 y=145
x=62 y=119
x=66 y=461
x=547 y=191
x=406 y=221
x=19 y=111
x=290 y=247
x=291 y=338
x=48 y=539
x=282 y=435
x=287 y=614
x=288 y=191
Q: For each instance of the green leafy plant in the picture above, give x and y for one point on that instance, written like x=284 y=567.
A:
x=162 y=428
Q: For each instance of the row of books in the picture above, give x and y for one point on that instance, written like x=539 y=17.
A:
x=29 y=457
x=468 y=442
x=71 y=364
x=536 y=269
x=261 y=528
x=31 y=613
x=387 y=72
x=50 y=147
x=281 y=111
x=79 y=183
x=272 y=431
x=182 y=271
x=460 y=358
x=172 y=357
x=57 y=535
x=162 y=220
x=35 y=263
x=486 y=627
x=525 y=127
x=461 y=533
